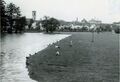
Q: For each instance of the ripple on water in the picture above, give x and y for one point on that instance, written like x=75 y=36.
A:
x=16 y=47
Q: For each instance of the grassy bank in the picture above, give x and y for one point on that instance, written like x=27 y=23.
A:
x=85 y=61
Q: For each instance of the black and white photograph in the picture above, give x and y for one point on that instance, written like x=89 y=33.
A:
x=59 y=40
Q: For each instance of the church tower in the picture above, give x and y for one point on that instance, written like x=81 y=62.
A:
x=34 y=15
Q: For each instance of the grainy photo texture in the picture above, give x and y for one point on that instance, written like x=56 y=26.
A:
x=59 y=40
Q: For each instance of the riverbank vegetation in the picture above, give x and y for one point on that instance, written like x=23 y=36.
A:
x=50 y=24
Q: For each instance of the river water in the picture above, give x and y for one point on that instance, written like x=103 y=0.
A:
x=15 y=48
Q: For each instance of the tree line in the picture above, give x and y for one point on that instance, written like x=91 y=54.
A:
x=13 y=21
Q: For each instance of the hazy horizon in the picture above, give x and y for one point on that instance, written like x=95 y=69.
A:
x=107 y=11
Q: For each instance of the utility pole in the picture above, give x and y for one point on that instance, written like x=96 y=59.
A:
x=93 y=33
x=93 y=36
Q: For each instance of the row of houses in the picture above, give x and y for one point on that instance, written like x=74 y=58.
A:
x=88 y=25
x=83 y=24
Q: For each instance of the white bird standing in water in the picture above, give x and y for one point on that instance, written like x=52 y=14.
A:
x=57 y=53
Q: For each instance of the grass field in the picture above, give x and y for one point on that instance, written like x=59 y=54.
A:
x=85 y=61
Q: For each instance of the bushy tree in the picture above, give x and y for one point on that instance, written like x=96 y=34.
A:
x=50 y=24
x=13 y=12
x=20 y=24
x=3 y=17
x=38 y=25
x=116 y=29
x=84 y=29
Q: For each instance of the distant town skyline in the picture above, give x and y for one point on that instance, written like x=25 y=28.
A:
x=108 y=11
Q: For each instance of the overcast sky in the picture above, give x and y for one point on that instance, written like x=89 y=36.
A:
x=107 y=11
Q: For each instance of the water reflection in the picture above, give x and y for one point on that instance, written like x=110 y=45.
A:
x=15 y=48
